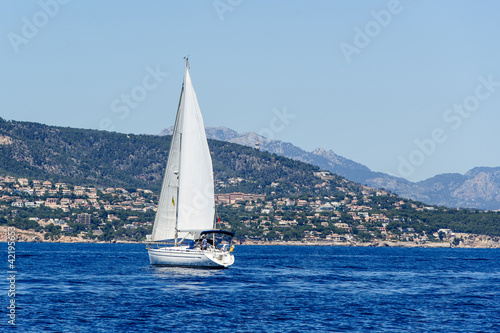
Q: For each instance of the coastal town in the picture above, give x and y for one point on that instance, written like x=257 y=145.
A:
x=48 y=211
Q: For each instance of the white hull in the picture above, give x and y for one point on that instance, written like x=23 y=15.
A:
x=182 y=256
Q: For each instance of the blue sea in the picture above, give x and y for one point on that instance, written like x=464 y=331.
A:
x=113 y=288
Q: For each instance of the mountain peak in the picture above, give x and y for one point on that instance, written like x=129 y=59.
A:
x=477 y=170
x=319 y=151
x=478 y=188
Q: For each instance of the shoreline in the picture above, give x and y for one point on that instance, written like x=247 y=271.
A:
x=470 y=241
x=433 y=245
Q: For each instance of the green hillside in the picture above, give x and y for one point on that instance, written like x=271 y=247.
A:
x=99 y=158
x=299 y=202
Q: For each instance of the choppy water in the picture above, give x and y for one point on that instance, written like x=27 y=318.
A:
x=112 y=288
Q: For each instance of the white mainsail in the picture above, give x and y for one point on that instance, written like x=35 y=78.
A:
x=187 y=194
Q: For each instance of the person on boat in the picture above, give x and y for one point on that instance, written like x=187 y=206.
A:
x=204 y=243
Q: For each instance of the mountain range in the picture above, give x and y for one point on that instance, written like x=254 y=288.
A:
x=87 y=156
x=478 y=188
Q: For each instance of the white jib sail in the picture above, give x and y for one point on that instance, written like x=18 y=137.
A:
x=187 y=196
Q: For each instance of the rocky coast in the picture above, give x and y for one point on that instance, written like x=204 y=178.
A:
x=466 y=241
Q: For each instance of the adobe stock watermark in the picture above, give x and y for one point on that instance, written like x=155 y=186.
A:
x=223 y=6
x=129 y=101
x=277 y=123
x=31 y=26
x=454 y=117
x=11 y=274
x=363 y=37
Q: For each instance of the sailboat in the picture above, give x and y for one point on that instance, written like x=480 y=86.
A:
x=184 y=232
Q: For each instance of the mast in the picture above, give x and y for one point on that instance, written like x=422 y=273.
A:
x=180 y=158
x=186 y=205
x=178 y=180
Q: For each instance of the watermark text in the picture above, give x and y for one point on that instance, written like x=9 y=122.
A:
x=364 y=36
x=31 y=26
x=11 y=274
x=454 y=117
x=129 y=101
x=223 y=6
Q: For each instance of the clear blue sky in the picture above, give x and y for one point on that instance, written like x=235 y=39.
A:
x=374 y=81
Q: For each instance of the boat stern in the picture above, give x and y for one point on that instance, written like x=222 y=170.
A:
x=221 y=258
